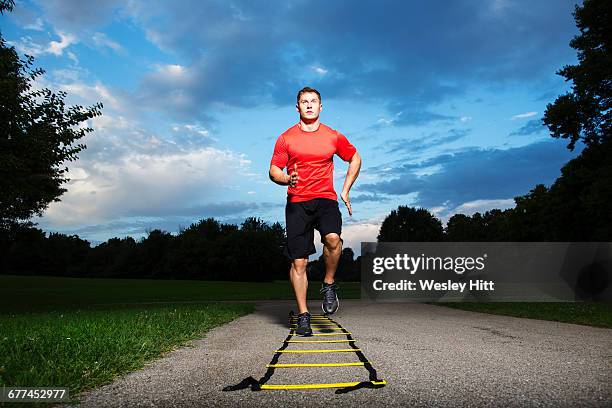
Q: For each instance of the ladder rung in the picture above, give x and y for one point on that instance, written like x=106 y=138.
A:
x=310 y=386
x=293 y=331
x=291 y=365
x=315 y=315
x=319 y=351
x=314 y=319
x=319 y=328
x=319 y=341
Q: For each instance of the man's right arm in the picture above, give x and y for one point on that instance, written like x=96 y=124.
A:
x=278 y=176
x=280 y=159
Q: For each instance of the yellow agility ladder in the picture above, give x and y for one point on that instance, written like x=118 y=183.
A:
x=320 y=322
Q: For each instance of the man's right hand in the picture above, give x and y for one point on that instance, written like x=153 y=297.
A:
x=293 y=177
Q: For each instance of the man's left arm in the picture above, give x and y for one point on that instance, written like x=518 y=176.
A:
x=351 y=176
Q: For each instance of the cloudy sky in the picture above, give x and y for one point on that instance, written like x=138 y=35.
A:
x=442 y=99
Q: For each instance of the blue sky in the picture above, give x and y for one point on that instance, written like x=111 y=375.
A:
x=443 y=101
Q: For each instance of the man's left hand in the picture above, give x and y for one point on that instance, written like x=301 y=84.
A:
x=345 y=197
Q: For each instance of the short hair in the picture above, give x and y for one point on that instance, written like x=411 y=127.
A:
x=307 y=89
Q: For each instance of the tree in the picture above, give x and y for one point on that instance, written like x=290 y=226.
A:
x=6 y=5
x=462 y=228
x=581 y=198
x=496 y=225
x=408 y=224
x=585 y=113
x=532 y=219
x=37 y=136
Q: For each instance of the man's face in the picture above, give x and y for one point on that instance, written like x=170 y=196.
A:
x=309 y=106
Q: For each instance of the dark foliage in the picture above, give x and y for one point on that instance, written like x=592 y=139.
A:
x=409 y=224
x=585 y=113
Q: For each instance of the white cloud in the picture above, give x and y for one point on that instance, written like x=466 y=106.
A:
x=26 y=45
x=173 y=70
x=101 y=191
x=524 y=115
x=36 y=25
x=156 y=39
x=196 y=129
x=389 y=121
x=93 y=93
x=481 y=206
x=73 y=57
x=66 y=74
x=319 y=70
x=57 y=47
x=187 y=135
x=438 y=209
x=465 y=119
x=107 y=123
x=471 y=207
x=102 y=40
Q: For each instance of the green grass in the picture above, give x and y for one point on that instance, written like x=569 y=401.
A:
x=81 y=349
x=38 y=293
x=586 y=313
x=81 y=333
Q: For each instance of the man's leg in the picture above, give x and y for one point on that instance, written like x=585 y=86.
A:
x=299 y=281
x=329 y=224
x=332 y=249
x=300 y=236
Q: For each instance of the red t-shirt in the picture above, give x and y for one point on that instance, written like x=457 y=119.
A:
x=314 y=153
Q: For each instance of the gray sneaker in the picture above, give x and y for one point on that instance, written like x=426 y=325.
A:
x=303 y=325
x=330 y=298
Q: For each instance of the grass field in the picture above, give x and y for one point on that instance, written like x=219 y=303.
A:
x=587 y=313
x=37 y=293
x=81 y=349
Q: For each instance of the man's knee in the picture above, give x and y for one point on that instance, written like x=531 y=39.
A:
x=332 y=241
x=299 y=265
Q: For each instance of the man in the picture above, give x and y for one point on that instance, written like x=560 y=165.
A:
x=307 y=150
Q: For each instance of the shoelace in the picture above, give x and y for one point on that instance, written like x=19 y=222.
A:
x=329 y=292
x=303 y=320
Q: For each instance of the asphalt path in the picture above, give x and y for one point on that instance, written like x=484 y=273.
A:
x=428 y=355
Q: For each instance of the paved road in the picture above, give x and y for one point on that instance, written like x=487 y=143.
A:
x=429 y=355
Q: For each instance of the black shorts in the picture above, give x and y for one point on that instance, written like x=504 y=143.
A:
x=302 y=218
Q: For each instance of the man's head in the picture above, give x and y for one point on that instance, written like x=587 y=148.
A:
x=309 y=104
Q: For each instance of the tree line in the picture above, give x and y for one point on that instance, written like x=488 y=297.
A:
x=206 y=250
